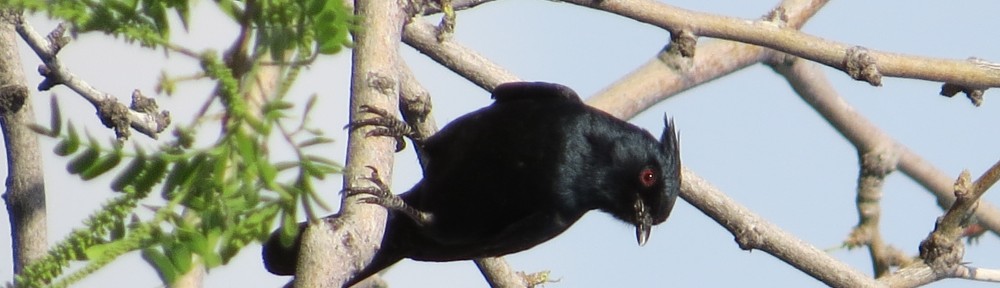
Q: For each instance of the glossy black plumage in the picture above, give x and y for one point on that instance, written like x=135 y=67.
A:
x=514 y=174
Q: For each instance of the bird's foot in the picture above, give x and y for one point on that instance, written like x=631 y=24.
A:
x=386 y=124
x=385 y=198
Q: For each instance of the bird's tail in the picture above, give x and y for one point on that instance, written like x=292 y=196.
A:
x=278 y=258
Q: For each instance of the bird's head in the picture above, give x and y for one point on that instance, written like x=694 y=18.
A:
x=644 y=180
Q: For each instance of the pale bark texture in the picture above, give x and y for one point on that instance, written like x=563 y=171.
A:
x=25 y=194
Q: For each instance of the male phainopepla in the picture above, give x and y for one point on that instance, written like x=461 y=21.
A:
x=517 y=173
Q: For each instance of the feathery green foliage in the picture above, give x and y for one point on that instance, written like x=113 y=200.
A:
x=218 y=197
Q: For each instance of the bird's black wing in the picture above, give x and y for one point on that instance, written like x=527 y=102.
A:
x=489 y=171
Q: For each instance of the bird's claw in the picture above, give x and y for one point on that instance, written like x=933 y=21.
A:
x=385 y=124
x=384 y=197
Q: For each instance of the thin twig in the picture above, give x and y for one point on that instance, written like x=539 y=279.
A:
x=875 y=166
x=942 y=251
x=809 y=83
x=113 y=114
x=499 y=274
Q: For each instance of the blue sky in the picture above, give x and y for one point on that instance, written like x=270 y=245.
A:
x=747 y=133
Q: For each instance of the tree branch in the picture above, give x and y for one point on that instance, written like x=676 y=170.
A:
x=754 y=232
x=336 y=249
x=25 y=195
x=860 y=63
x=942 y=251
x=142 y=115
x=666 y=75
x=461 y=60
x=808 y=81
x=499 y=274
x=875 y=166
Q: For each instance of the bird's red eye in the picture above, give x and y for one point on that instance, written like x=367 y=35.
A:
x=647 y=177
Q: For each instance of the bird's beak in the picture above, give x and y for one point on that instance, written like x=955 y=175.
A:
x=643 y=222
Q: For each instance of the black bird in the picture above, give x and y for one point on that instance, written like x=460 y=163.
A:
x=515 y=174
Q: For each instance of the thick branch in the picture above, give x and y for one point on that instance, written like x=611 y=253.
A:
x=142 y=115
x=753 y=232
x=334 y=251
x=463 y=61
x=415 y=106
x=25 y=195
x=859 y=62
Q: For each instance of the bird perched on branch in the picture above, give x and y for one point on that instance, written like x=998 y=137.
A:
x=513 y=175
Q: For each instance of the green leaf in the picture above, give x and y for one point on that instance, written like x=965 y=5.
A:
x=98 y=251
x=179 y=173
x=310 y=104
x=331 y=27
x=180 y=255
x=42 y=130
x=56 y=120
x=314 y=141
x=83 y=161
x=168 y=273
x=194 y=240
x=70 y=144
x=289 y=230
x=154 y=171
x=128 y=176
x=117 y=230
x=157 y=11
x=103 y=164
x=183 y=11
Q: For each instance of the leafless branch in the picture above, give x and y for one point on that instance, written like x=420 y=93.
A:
x=754 y=232
x=808 y=81
x=143 y=115
x=463 y=61
x=942 y=251
x=666 y=75
x=859 y=62
x=875 y=166
x=499 y=274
